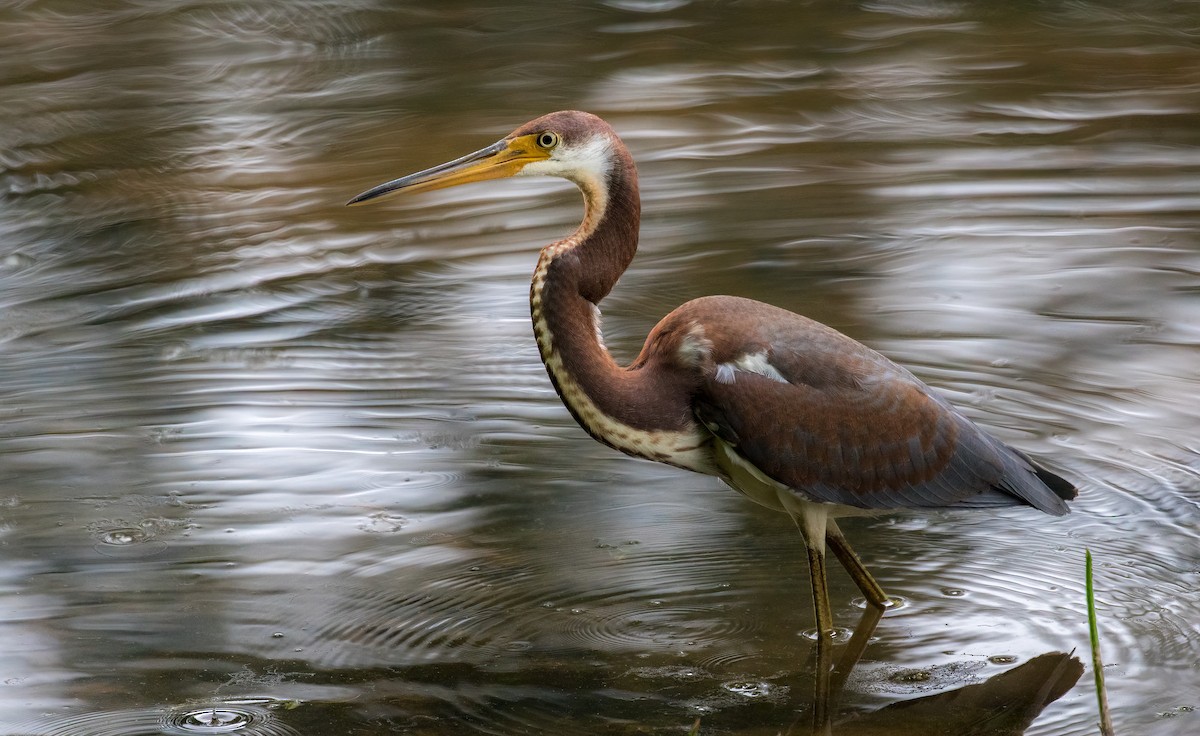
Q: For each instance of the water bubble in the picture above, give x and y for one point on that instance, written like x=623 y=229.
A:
x=681 y=673
x=837 y=634
x=1176 y=711
x=128 y=541
x=953 y=592
x=214 y=720
x=241 y=717
x=1002 y=659
x=124 y=536
x=911 y=677
x=383 y=523
x=925 y=679
x=748 y=689
x=250 y=717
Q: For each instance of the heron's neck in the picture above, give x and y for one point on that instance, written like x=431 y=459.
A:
x=643 y=409
x=602 y=247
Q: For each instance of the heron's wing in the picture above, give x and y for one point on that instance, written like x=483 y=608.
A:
x=837 y=422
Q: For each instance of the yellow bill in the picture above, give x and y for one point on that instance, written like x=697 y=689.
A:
x=502 y=159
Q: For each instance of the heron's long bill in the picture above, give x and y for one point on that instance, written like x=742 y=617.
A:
x=501 y=159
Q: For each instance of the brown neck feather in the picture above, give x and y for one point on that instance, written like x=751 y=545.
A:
x=573 y=275
x=607 y=239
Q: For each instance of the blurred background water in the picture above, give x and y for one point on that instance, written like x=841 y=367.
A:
x=273 y=466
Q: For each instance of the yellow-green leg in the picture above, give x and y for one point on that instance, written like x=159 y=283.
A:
x=811 y=519
x=820 y=589
x=871 y=590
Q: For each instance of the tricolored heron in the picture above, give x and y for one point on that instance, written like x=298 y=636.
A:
x=789 y=412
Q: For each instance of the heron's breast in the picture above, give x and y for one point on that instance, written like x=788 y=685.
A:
x=688 y=447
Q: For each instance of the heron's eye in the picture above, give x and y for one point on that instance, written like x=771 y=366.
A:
x=547 y=140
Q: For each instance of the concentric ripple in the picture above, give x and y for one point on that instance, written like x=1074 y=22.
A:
x=128 y=539
x=637 y=625
x=241 y=717
x=250 y=717
x=129 y=542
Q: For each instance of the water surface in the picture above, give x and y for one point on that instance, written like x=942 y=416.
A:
x=269 y=465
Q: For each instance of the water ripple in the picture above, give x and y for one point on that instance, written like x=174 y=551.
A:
x=245 y=717
x=241 y=420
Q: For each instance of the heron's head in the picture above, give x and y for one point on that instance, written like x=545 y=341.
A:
x=573 y=145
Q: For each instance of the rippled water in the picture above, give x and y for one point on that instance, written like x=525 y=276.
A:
x=272 y=466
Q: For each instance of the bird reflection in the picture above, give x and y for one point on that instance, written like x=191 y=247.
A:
x=1004 y=705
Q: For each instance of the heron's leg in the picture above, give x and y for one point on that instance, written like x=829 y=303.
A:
x=820 y=589
x=813 y=530
x=812 y=522
x=812 y=519
x=858 y=571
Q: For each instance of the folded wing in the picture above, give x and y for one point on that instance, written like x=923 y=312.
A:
x=837 y=422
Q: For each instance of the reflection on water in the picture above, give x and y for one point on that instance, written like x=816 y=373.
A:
x=265 y=456
x=1005 y=704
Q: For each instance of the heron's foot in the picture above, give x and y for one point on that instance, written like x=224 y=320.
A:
x=833 y=635
x=889 y=603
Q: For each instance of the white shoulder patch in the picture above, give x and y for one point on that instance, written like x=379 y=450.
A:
x=695 y=347
x=748 y=363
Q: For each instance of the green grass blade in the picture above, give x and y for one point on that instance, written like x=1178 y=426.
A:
x=1106 y=728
